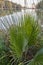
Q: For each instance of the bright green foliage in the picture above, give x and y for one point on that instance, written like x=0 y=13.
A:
x=31 y=30
x=23 y=34
x=17 y=40
x=21 y=37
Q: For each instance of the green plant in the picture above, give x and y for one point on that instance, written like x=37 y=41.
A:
x=23 y=35
x=23 y=41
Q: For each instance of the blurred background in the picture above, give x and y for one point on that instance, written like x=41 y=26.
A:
x=17 y=8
